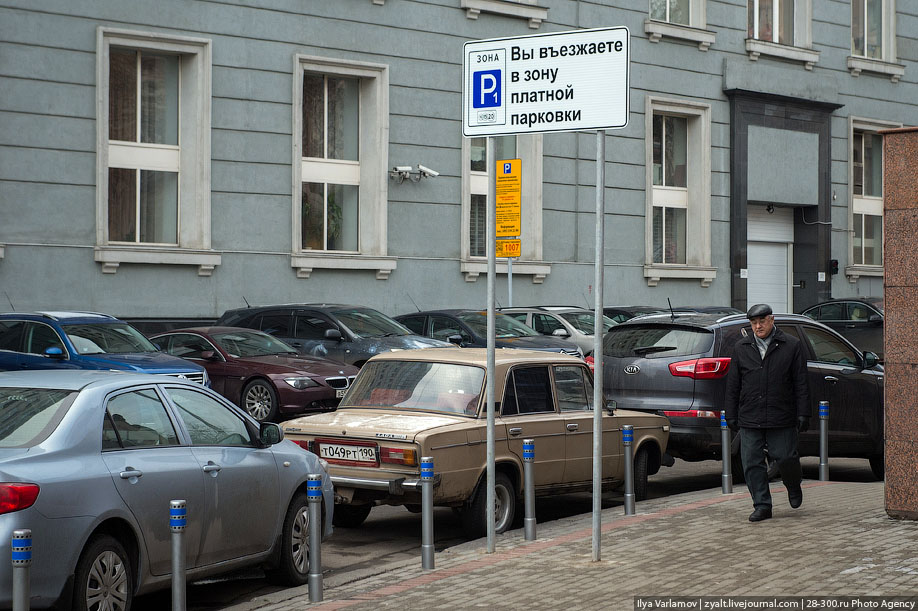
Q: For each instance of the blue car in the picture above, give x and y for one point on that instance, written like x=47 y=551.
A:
x=84 y=340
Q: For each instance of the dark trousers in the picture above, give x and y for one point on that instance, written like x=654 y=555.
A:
x=782 y=447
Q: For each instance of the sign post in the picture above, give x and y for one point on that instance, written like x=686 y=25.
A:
x=567 y=81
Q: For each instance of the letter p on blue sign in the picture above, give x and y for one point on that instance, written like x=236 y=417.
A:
x=486 y=89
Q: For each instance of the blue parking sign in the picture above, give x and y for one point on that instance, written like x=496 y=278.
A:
x=486 y=89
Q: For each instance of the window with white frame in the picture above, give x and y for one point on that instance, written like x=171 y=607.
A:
x=771 y=20
x=153 y=194
x=681 y=20
x=873 y=39
x=340 y=193
x=867 y=188
x=670 y=195
x=671 y=11
x=781 y=28
x=479 y=171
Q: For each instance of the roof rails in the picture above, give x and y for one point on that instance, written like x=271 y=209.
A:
x=58 y=315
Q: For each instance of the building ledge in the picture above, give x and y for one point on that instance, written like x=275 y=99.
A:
x=656 y=30
x=755 y=48
x=655 y=272
x=111 y=257
x=538 y=271
x=856 y=65
x=525 y=9
x=854 y=272
x=305 y=263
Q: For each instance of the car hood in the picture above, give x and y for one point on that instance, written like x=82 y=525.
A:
x=286 y=363
x=370 y=423
x=146 y=362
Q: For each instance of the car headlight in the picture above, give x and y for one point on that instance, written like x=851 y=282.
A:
x=301 y=383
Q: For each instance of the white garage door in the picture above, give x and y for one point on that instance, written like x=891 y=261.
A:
x=768 y=274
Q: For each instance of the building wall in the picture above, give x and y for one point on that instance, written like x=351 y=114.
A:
x=48 y=150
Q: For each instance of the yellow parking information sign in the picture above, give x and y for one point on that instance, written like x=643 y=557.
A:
x=507 y=190
x=509 y=248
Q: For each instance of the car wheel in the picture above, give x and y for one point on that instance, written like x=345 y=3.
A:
x=351 y=516
x=414 y=508
x=260 y=400
x=103 y=578
x=293 y=567
x=475 y=518
x=878 y=466
x=641 y=461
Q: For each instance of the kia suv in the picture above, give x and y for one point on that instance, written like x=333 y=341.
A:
x=676 y=364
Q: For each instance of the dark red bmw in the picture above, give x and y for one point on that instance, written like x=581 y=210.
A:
x=260 y=373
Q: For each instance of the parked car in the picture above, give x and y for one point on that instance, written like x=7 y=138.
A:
x=84 y=340
x=859 y=320
x=346 y=333
x=721 y=310
x=678 y=366
x=90 y=461
x=622 y=313
x=405 y=405
x=572 y=323
x=260 y=373
x=469 y=329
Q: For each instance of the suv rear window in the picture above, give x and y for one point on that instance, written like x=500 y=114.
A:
x=656 y=341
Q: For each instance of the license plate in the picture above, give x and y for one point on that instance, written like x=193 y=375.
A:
x=340 y=392
x=336 y=451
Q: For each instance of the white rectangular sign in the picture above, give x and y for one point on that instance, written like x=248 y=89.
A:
x=567 y=81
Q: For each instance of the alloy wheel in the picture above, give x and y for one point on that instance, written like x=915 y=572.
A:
x=106 y=589
x=258 y=402
x=299 y=540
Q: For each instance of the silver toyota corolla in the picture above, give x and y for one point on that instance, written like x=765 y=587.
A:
x=89 y=461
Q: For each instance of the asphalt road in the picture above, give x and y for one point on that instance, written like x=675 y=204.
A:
x=394 y=533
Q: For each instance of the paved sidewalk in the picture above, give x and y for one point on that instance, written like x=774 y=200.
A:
x=840 y=542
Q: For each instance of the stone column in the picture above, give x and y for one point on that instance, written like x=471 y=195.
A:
x=900 y=257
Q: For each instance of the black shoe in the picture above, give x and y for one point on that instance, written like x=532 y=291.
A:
x=760 y=514
x=795 y=496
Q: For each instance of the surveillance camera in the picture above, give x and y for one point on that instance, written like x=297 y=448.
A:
x=427 y=171
x=402 y=168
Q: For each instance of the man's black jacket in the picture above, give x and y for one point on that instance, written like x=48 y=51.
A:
x=770 y=392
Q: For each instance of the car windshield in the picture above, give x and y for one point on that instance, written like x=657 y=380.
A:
x=504 y=326
x=251 y=343
x=29 y=415
x=436 y=387
x=365 y=322
x=656 y=341
x=115 y=338
x=584 y=321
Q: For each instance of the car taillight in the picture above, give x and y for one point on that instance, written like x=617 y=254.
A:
x=398 y=456
x=701 y=369
x=590 y=361
x=14 y=497
x=693 y=413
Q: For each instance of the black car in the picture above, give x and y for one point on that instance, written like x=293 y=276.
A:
x=346 y=333
x=859 y=320
x=469 y=328
x=677 y=365
x=623 y=313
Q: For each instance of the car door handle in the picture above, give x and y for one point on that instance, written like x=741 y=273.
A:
x=516 y=431
x=831 y=379
x=130 y=472
x=211 y=467
x=572 y=426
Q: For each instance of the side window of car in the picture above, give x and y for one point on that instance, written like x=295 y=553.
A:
x=442 y=327
x=414 y=323
x=575 y=393
x=11 y=335
x=545 y=324
x=532 y=390
x=829 y=349
x=275 y=324
x=858 y=312
x=187 y=346
x=137 y=419
x=209 y=422
x=311 y=326
x=520 y=316
x=40 y=337
x=832 y=311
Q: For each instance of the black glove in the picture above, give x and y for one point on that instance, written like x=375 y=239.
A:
x=803 y=424
x=733 y=426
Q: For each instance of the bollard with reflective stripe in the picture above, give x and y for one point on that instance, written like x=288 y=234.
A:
x=314 y=500
x=529 y=522
x=21 y=548
x=726 y=476
x=427 y=537
x=178 y=520
x=628 y=441
x=823 y=441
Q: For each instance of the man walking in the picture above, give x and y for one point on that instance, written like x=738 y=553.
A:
x=768 y=402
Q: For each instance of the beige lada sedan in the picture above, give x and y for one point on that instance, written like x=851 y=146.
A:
x=414 y=403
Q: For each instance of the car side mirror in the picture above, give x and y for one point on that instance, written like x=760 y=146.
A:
x=875 y=318
x=870 y=360
x=611 y=405
x=455 y=339
x=270 y=433
x=560 y=333
x=334 y=334
x=54 y=353
x=210 y=355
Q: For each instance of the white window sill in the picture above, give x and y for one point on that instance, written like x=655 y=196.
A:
x=854 y=272
x=511 y=8
x=856 y=65
x=305 y=263
x=656 y=30
x=111 y=257
x=538 y=271
x=655 y=272
x=807 y=57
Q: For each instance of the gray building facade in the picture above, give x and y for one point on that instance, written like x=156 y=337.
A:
x=171 y=159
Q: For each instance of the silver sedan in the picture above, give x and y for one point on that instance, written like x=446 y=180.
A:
x=89 y=461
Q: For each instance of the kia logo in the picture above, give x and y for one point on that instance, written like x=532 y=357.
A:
x=632 y=369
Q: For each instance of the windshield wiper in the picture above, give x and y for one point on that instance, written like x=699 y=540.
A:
x=651 y=349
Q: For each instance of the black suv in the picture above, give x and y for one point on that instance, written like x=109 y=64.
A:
x=346 y=333
x=676 y=364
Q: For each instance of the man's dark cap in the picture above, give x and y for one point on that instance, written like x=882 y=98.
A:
x=759 y=309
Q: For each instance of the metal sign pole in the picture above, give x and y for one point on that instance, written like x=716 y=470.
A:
x=492 y=272
x=510 y=282
x=598 y=401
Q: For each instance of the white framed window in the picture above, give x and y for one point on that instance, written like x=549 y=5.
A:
x=340 y=139
x=476 y=174
x=679 y=19
x=781 y=28
x=678 y=190
x=153 y=150
x=873 y=38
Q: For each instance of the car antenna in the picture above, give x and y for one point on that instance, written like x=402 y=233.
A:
x=10 y=300
x=246 y=302
x=671 y=311
x=415 y=305
x=585 y=300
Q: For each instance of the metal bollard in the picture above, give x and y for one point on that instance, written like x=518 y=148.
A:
x=627 y=441
x=21 y=547
x=726 y=476
x=427 y=537
x=178 y=520
x=314 y=499
x=823 y=441
x=529 y=522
